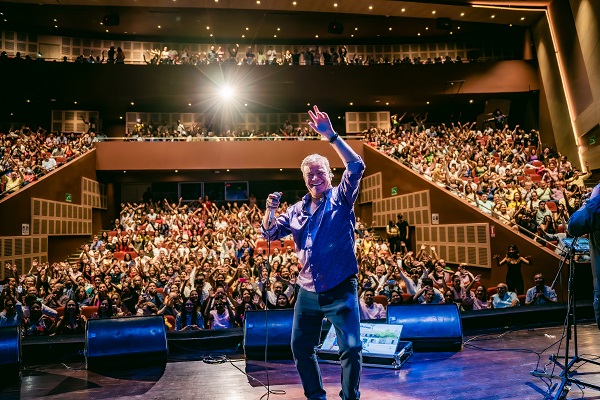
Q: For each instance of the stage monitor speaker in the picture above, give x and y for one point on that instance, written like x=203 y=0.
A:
x=444 y=24
x=111 y=20
x=273 y=328
x=117 y=343
x=10 y=353
x=336 y=28
x=428 y=326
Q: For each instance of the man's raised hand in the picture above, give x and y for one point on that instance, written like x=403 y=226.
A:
x=320 y=123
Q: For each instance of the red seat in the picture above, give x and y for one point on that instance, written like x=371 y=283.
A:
x=171 y=320
x=289 y=242
x=521 y=298
x=381 y=299
x=406 y=296
x=537 y=163
x=491 y=291
x=60 y=160
x=160 y=290
x=112 y=233
x=551 y=206
x=89 y=311
x=561 y=228
x=536 y=178
x=134 y=254
x=119 y=255
x=530 y=171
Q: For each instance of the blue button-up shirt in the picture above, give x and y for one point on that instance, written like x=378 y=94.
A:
x=324 y=240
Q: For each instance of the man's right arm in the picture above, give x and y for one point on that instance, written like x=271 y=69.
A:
x=585 y=220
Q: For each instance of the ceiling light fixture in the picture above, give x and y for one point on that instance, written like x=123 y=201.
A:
x=462 y=14
x=370 y=7
x=433 y=12
x=403 y=10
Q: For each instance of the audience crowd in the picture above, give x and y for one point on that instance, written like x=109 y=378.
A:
x=152 y=131
x=202 y=265
x=307 y=55
x=503 y=171
x=27 y=154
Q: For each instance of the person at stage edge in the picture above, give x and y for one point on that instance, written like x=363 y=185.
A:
x=322 y=225
x=586 y=220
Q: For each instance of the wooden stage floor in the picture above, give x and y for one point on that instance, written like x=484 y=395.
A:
x=495 y=366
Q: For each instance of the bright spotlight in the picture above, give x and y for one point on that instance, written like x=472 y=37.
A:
x=226 y=92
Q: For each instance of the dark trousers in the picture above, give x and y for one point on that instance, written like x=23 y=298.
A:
x=340 y=306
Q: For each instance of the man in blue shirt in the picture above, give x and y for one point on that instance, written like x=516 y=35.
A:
x=322 y=225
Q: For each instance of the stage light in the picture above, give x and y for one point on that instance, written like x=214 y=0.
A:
x=226 y=92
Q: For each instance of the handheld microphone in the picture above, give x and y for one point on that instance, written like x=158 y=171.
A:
x=272 y=210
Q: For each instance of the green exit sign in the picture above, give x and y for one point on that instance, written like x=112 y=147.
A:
x=394 y=191
x=68 y=197
x=592 y=140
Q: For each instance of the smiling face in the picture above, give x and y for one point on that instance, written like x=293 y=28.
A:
x=317 y=178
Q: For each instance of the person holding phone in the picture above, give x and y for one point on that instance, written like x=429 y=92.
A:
x=322 y=225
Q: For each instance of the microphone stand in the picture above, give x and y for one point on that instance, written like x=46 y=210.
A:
x=566 y=375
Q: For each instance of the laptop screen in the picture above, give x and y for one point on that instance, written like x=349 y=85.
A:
x=376 y=338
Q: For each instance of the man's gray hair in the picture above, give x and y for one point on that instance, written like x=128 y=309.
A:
x=315 y=159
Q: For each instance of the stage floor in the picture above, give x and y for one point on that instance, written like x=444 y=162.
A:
x=495 y=366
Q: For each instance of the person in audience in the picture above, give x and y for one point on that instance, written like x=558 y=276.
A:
x=514 y=278
x=105 y=309
x=72 y=322
x=49 y=163
x=222 y=317
x=540 y=293
x=37 y=324
x=190 y=317
x=12 y=312
x=504 y=298
x=425 y=295
x=396 y=297
x=368 y=308
x=481 y=301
